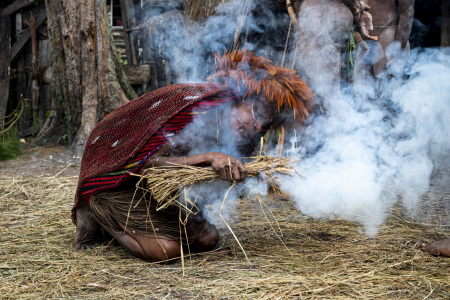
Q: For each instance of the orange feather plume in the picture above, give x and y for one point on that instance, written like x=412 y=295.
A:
x=240 y=69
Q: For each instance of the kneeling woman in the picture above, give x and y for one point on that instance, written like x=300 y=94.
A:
x=189 y=124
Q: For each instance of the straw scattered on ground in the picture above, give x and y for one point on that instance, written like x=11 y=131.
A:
x=321 y=259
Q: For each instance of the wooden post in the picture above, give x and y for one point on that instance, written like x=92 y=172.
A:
x=445 y=26
x=35 y=84
x=5 y=51
x=129 y=23
x=148 y=59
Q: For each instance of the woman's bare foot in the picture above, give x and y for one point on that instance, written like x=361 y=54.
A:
x=437 y=248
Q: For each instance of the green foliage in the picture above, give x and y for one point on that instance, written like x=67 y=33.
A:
x=9 y=145
x=122 y=61
x=13 y=74
x=65 y=139
x=351 y=51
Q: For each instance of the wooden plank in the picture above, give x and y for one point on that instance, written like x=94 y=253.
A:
x=5 y=48
x=138 y=75
x=18 y=25
x=45 y=51
x=40 y=14
x=15 y=6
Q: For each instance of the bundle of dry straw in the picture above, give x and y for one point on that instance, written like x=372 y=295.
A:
x=165 y=183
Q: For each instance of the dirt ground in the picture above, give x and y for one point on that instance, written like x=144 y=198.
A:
x=308 y=259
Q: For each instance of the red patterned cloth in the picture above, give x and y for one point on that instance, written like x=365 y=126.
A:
x=123 y=140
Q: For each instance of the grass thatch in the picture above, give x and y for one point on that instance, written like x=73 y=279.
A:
x=322 y=258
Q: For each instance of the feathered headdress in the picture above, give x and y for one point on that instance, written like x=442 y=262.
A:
x=249 y=74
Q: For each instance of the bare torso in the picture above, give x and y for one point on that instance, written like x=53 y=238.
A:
x=384 y=14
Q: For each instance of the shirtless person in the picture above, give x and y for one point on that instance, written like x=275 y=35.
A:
x=323 y=31
x=375 y=60
x=165 y=127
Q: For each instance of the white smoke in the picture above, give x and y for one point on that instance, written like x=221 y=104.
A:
x=208 y=134
x=363 y=153
x=188 y=46
x=219 y=199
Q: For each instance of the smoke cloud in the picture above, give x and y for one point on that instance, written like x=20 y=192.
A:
x=188 y=45
x=362 y=153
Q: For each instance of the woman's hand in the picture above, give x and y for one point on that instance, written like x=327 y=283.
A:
x=229 y=168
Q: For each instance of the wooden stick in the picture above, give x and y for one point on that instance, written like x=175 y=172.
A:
x=291 y=11
x=286 y=45
x=280 y=142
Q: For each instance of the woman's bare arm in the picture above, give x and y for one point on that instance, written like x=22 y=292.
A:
x=229 y=168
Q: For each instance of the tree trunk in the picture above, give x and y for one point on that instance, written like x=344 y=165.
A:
x=87 y=79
